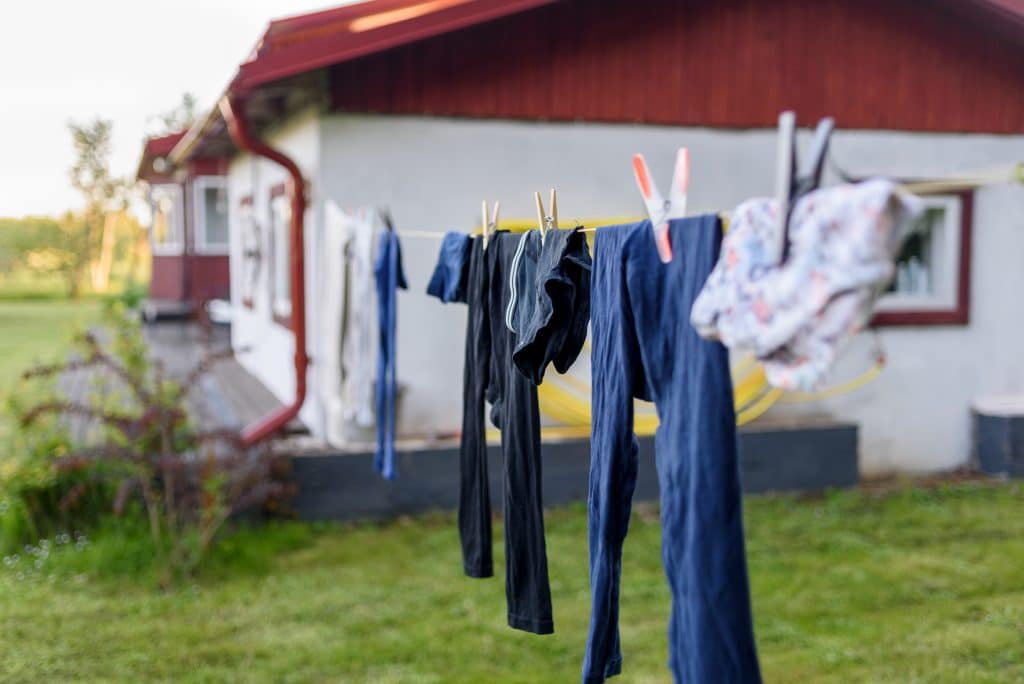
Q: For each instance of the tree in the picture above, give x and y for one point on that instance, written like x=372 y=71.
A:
x=41 y=244
x=182 y=116
x=103 y=194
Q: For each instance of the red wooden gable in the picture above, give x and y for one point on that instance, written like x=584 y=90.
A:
x=730 y=63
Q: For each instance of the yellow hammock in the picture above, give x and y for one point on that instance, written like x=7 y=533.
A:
x=566 y=399
x=752 y=395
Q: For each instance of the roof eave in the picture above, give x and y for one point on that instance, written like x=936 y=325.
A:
x=326 y=51
x=183 y=150
x=261 y=70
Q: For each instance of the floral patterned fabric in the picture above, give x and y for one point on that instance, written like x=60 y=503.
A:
x=796 y=316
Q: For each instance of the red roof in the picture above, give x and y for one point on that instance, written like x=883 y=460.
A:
x=310 y=41
x=1003 y=17
x=154 y=148
x=303 y=43
x=1008 y=10
x=294 y=45
x=162 y=145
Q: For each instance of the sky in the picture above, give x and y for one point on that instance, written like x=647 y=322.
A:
x=123 y=60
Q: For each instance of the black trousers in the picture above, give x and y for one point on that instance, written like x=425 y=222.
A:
x=490 y=375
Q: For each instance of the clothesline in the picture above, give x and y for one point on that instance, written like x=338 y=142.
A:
x=994 y=175
x=439 y=234
x=433 y=234
x=722 y=215
x=1009 y=173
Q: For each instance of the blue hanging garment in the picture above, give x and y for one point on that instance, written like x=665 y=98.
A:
x=390 y=277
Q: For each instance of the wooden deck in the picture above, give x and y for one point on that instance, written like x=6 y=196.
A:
x=227 y=396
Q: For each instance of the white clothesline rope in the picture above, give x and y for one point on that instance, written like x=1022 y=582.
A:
x=1007 y=173
x=433 y=234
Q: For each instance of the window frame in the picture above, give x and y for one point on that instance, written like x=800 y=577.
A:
x=201 y=245
x=247 y=214
x=176 y=248
x=956 y=313
x=280 y=310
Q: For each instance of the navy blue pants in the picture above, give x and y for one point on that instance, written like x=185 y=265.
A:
x=389 y=275
x=489 y=374
x=644 y=347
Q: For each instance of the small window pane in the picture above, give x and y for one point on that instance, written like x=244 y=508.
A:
x=166 y=217
x=215 y=216
x=916 y=265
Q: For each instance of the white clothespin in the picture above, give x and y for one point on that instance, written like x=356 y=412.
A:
x=546 y=221
x=789 y=186
x=490 y=222
x=784 y=169
x=661 y=210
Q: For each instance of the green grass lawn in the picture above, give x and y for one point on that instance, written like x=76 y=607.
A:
x=916 y=586
x=37 y=330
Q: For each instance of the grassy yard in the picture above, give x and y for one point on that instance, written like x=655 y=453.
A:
x=37 y=331
x=916 y=586
x=32 y=330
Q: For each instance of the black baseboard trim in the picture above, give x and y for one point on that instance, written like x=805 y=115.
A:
x=344 y=486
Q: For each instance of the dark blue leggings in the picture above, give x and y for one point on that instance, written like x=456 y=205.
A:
x=390 y=277
x=644 y=347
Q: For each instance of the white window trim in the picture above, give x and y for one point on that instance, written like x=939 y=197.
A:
x=280 y=307
x=946 y=255
x=199 y=186
x=250 y=238
x=176 y=248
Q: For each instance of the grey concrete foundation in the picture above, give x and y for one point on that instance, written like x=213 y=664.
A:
x=344 y=486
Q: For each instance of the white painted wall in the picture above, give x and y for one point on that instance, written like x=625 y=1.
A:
x=432 y=174
x=269 y=346
x=916 y=416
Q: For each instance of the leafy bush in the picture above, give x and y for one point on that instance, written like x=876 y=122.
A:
x=141 y=445
x=37 y=500
x=130 y=298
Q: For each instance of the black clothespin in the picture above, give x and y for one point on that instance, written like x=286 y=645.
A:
x=385 y=214
x=789 y=185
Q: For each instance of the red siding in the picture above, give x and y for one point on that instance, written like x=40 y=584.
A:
x=167 y=281
x=192 y=278
x=732 y=63
x=207 y=166
x=210 y=277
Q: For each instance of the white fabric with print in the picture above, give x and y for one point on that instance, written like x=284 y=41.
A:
x=796 y=316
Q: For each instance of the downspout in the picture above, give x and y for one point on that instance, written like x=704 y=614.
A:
x=232 y=111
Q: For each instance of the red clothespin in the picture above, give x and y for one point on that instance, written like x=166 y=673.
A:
x=661 y=210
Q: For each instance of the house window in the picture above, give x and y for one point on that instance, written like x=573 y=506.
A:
x=167 y=228
x=280 y=266
x=252 y=251
x=211 y=213
x=931 y=286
